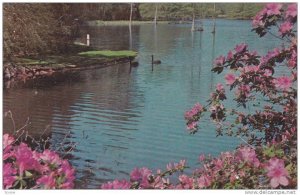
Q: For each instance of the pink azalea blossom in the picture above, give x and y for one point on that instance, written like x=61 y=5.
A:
x=194 y=111
x=283 y=82
x=267 y=72
x=273 y=9
x=219 y=60
x=69 y=175
x=285 y=27
x=169 y=166
x=25 y=159
x=248 y=154
x=204 y=181
x=47 y=181
x=117 y=184
x=198 y=107
x=186 y=182
x=9 y=175
x=248 y=69
x=218 y=164
x=274 y=53
x=240 y=48
x=180 y=165
x=50 y=157
x=192 y=126
x=220 y=87
x=7 y=140
x=230 y=79
x=229 y=56
x=244 y=90
x=141 y=175
x=277 y=172
x=201 y=157
x=291 y=10
x=257 y=20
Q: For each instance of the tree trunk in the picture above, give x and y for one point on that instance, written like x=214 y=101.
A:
x=155 y=17
x=193 y=24
x=131 y=9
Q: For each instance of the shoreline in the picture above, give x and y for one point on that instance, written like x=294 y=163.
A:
x=23 y=69
x=140 y=22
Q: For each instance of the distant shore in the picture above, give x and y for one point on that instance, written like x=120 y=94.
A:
x=139 y=22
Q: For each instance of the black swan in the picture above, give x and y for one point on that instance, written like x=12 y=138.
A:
x=155 y=61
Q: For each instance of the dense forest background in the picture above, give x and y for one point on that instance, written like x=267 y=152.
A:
x=39 y=28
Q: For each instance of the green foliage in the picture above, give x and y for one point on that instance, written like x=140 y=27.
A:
x=109 y=53
x=35 y=28
x=170 y=11
x=272 y=152
x=104 y=11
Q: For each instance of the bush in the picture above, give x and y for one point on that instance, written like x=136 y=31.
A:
x=24 y=168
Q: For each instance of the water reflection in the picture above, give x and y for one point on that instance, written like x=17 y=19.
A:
x=212 y=58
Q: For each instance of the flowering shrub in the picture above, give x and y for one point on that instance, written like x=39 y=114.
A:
x=24 y=168
x=269 y=158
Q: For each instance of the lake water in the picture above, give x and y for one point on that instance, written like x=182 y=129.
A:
x=121 y=118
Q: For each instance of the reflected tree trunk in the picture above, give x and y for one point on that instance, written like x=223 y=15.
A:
x=212 y=59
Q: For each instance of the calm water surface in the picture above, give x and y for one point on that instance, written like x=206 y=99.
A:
x=121 y=118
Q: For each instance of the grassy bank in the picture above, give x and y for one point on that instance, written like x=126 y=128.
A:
x=109 y=53
x=81 y=58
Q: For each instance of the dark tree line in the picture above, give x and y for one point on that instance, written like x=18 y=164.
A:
x=40 y=28
x=183 y=11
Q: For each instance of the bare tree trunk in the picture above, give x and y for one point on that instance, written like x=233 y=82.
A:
x=214 y=27
x=131 y=9
x=155 y=17
x=193 y=24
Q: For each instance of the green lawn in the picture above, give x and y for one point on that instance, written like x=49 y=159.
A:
x=109 y=53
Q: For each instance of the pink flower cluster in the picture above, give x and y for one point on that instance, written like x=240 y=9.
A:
x=219 y=60
x=117 y=184
x=141 y=176
x=283 y=83
x=176 y=166
x=265 y=18
x=38 y=170
x=230 y=169
x=248 y=155
x=285 y=28
x=192 y=116
x=230 y=79
x=291 y=11
x=243 y=92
